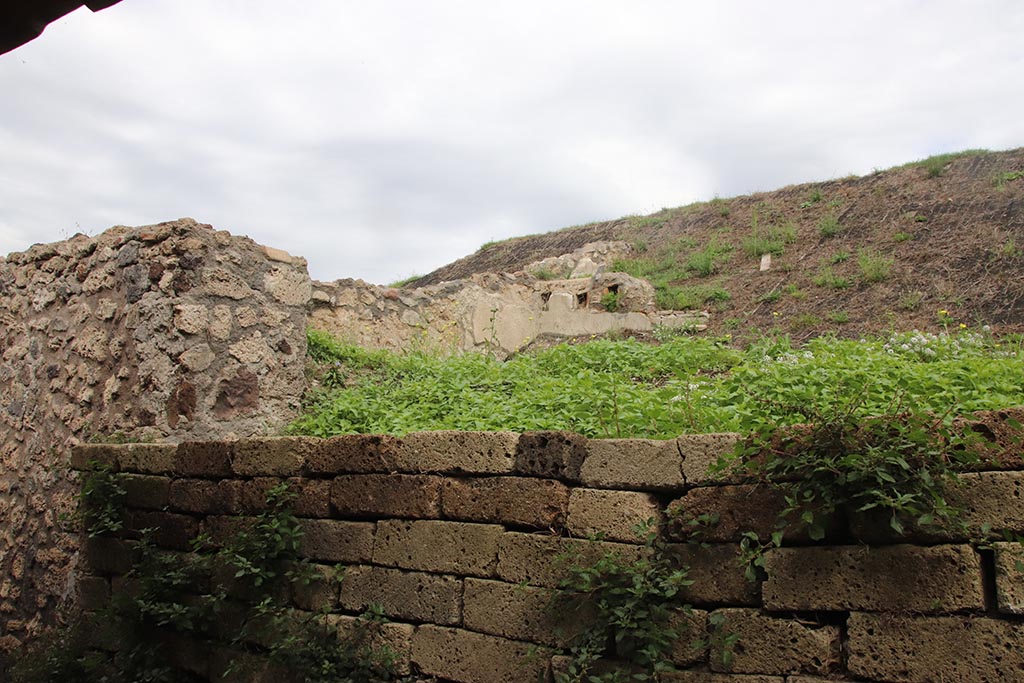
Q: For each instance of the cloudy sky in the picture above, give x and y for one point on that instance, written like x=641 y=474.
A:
x=381 y=139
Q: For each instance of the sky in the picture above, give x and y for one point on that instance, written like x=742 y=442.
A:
x=385 y=139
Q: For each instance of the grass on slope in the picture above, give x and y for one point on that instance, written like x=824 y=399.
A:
x=625 y=388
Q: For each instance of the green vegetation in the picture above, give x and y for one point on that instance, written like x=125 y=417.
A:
x=630 y=389
x=873 y=266
x=771 y=239
x=398 y=284
x=610 y=301
x=839 y=257
x=812 y=199
x=829 y=225
x=827 y=278
x=902 y=236
x=545 y=274
x=707 y=260
x=935 y=166
x=1003 y=179
x=680 y=261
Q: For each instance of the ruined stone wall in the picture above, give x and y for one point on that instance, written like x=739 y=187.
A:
x=165 y=332
x=454 y=535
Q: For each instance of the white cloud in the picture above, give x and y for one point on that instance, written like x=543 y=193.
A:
x=380 y=139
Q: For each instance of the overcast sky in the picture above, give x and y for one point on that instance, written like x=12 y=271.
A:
x=381 y=139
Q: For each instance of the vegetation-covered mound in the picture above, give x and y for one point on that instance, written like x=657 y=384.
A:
x=682 y=384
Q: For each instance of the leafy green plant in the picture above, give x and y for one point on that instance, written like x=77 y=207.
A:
x=839 y=257
x=902 y=236
x=707 y=261
x=631 y=605
x=101 y=500
x=827 y=278
x=1002 y=179
x=828 y=225
x=935 y=166
x=610 y=301
x=873 y=266
x=813 y=198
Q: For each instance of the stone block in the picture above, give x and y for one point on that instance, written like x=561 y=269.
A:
x=513 y=501
x=245 y=496
x=722 y=514
x=331 y=540
x=148 y=458
x=700 y=451
x=146 y=491
x=885 y=647
x=765 y=645
x=87 y=455
x=638 y=464
x=353 y=453
x=541 y=560
x=434 y=546
x=550 y=455
x=519 y=612
x=691 y=627
x=469 y=657
x=386 y=495
x=320 y=593
x=394 y=636
x=102 y=555
x=413 y=596
x=454 y=452
x=207 y=459
x=718 y=575
x=167 y=529
x=1009 y=559
x=312 y=497
x=612 y=515
x=93 y=592
x=891 y=578
x=273 y=457
x=202 y=496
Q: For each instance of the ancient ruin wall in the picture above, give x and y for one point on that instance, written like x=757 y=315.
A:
x=453 y=534
x=165 y=332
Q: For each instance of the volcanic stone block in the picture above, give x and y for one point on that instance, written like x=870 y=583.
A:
x=700 y=451
x=386 y=495
x=320 y=592
x=331 y=540
x=87 y=455
x=1010 y=577
x=312 y=497
x=891 y=578
x=927 y=649
x=203 y=496
x=403 y=595
x=394 y=636
x=515 y=501
x=279 y=457
x=207 y=459
x=457 y=452
x=765 y=645
x=469 y=657
x=106 y=555
x=692 y=629
x=551 y=455
x=353 y=453
x=168 y=529
x=434 y=546
x=614 y=515
x=148 y=458
x=544 y=560
x=93 y=592
x=708 y=677
x=731 y=511
x=718 y=575
x=641 y=464
x=146 y=491
x=518 y=612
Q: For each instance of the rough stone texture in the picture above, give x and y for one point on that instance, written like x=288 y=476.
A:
x=709 y=677
x=457 y=452
x=331 y=540
x=613 y=515
x=893 y=578
x=392 y=635
x=470 y=657
x=928 y=649
x=732 y=511
x=518 y=612
x=1009 y=558
x=386 y=495
x=533 y=558
x=320 y=593
x=632 y=464
x=513 y=501
x=551 y=455
x=766 y=645
x=700 y=451
x=113 y=335
x=280 y=457
x=717 y=574
x=434 y=546
x=354 y=453
x=414 y=596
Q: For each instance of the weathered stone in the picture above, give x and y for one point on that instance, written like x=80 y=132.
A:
x=223 y=283
x=415 y=596
x=614 y=515
x=148 y=458
x=200 y=496
x=146 y=491
x=167 y=529
x=320 y=593
x=765 y=645
x=700 y=451
x=928 y=649
x=718 y=575
x=395 y=637
x=102 y=555
x=475 y=658
x=252 y=350
x=288 y=285
x=237 y=395
x=709 y=677
x=280 y=457
x=386 y=495
x=513 y=501
x=552 y=455
x=197 y=358
x=204 y=459
x=540 y=560
x=456 y=452
x=356 y=453
x=632 y=464
x=191 y=318
x=448 y=547
x=181 y=403
x=519 y=612
x=1009 y=559
x=892 y=579
x=330 y=540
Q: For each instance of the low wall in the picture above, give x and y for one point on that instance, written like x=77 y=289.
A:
x=453 y=534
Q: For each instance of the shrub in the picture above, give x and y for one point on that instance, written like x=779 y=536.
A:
x=873 y=266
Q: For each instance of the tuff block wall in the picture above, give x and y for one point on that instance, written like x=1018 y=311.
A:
x=455 y=535
x=167 y=332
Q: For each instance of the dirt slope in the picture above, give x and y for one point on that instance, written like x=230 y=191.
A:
x=862 y=254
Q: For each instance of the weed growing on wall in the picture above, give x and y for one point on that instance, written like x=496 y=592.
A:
x=631 y=607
